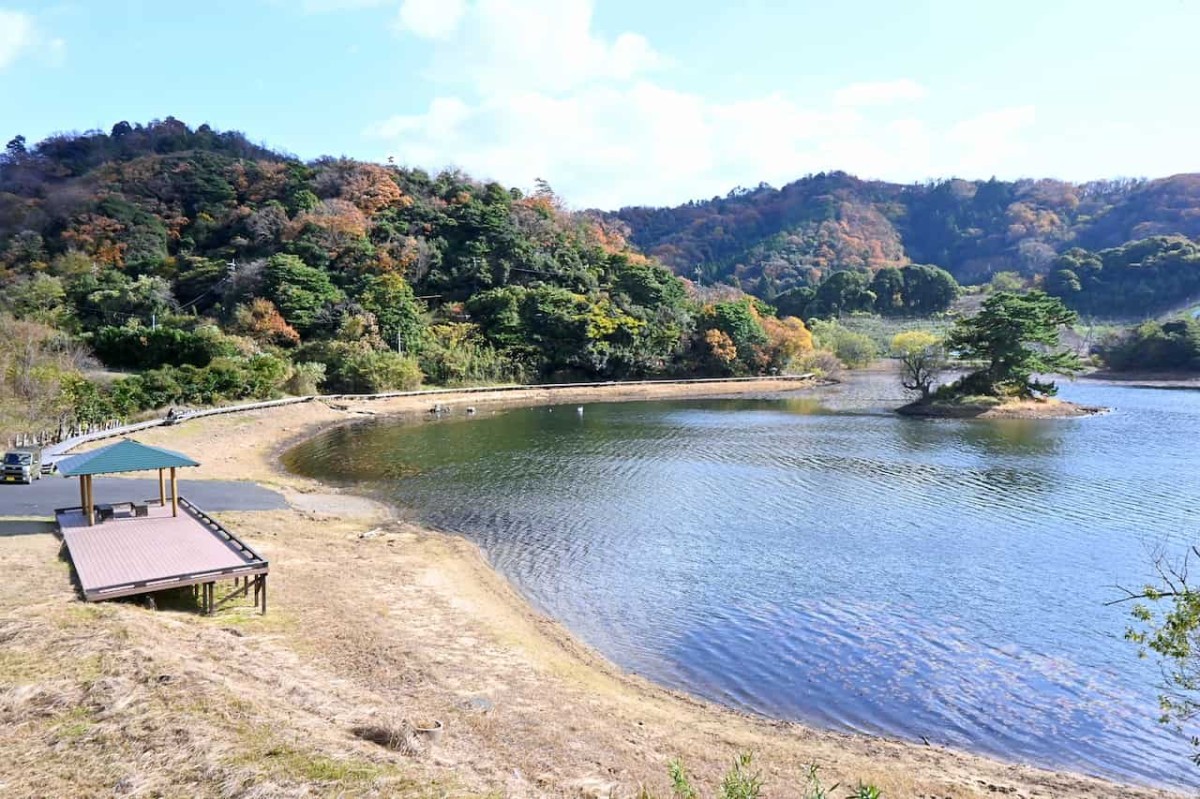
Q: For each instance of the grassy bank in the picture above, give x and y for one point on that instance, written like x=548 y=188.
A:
x=984 y=407
x=401 y=625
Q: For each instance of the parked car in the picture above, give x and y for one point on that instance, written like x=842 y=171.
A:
x=21 y=466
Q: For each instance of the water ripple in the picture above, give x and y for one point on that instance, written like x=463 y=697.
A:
x=833 y=563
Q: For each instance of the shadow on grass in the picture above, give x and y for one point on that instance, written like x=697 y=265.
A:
x=187 y=599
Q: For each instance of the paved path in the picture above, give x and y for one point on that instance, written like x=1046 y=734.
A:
x=43 y=496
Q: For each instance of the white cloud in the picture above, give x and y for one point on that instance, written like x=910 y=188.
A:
x=879 y=93
x=513 y=46
x=989 y=141
x=21 y=37
x=431 y=19
x=612 y=145
x=529 y=89
x=17 y=36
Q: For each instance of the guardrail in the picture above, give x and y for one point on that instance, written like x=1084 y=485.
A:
x=56 y=451
x=432 y=392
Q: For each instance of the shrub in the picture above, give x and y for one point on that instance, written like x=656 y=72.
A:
x=306 y=379
x=787 y=339
x=853 y=349
x=1168 y=346
x=150 y=348
x=741 y=782
x=224 y=379
x=371 y=372
x=454 y=355
x=819 y=362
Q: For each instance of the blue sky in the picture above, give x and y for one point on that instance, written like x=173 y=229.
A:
x=620 y=102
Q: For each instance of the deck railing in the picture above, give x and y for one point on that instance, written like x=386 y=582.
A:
x=215 y=526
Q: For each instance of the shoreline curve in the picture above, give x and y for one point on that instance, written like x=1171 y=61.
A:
x=663 y=722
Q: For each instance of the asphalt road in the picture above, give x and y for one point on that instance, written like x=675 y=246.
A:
x=52 y=491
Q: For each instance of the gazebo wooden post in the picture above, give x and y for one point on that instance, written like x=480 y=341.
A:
x=174 y=493
x=162 y=489
x=91 y=503
x=83 y=503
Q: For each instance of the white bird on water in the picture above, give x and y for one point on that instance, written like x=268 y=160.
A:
x=579 y=410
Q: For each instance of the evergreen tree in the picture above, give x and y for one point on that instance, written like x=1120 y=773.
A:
x=1017 y=336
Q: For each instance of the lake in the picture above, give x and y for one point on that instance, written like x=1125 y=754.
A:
x=820 y=559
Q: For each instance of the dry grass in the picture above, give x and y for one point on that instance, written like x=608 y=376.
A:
x=366 y=639
x=112 y=699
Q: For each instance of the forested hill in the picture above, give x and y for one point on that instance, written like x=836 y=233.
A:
x=161 y=225
x=772 y=240
x=217 y=269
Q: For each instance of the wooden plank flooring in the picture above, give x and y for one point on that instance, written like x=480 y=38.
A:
x=124 y=551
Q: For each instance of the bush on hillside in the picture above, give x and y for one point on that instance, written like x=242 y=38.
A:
x=855 y=350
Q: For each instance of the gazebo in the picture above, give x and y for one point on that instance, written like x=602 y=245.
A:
x=140 y=547
x=124 y=456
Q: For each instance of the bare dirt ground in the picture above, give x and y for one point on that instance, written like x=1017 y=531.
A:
x=375 y=623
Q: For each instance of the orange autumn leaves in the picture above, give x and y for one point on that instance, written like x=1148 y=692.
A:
x=786 y=338
x=740 y=338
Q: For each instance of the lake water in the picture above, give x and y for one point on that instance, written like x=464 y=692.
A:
x=820 y=559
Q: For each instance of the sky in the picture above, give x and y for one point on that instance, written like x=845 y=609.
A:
x=634 y=102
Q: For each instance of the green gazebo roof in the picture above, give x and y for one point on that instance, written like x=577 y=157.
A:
x=124 y=456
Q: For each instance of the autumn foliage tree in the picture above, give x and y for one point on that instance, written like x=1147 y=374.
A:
x=261 y=321
x=787 y=339
x=720 y=350
x=232 y=266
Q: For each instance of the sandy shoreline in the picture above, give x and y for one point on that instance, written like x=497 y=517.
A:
x=376 y=618
x=1180 y=380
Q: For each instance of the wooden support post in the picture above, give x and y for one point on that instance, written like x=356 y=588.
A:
x=83 y=494
x=174 y=493
x=162 y=489
x=264 y=595
x=91 y=503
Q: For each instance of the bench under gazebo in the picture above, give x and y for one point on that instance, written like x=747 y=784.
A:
x=139 y=547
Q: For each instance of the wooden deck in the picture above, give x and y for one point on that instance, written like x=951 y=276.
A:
x=129 y=555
